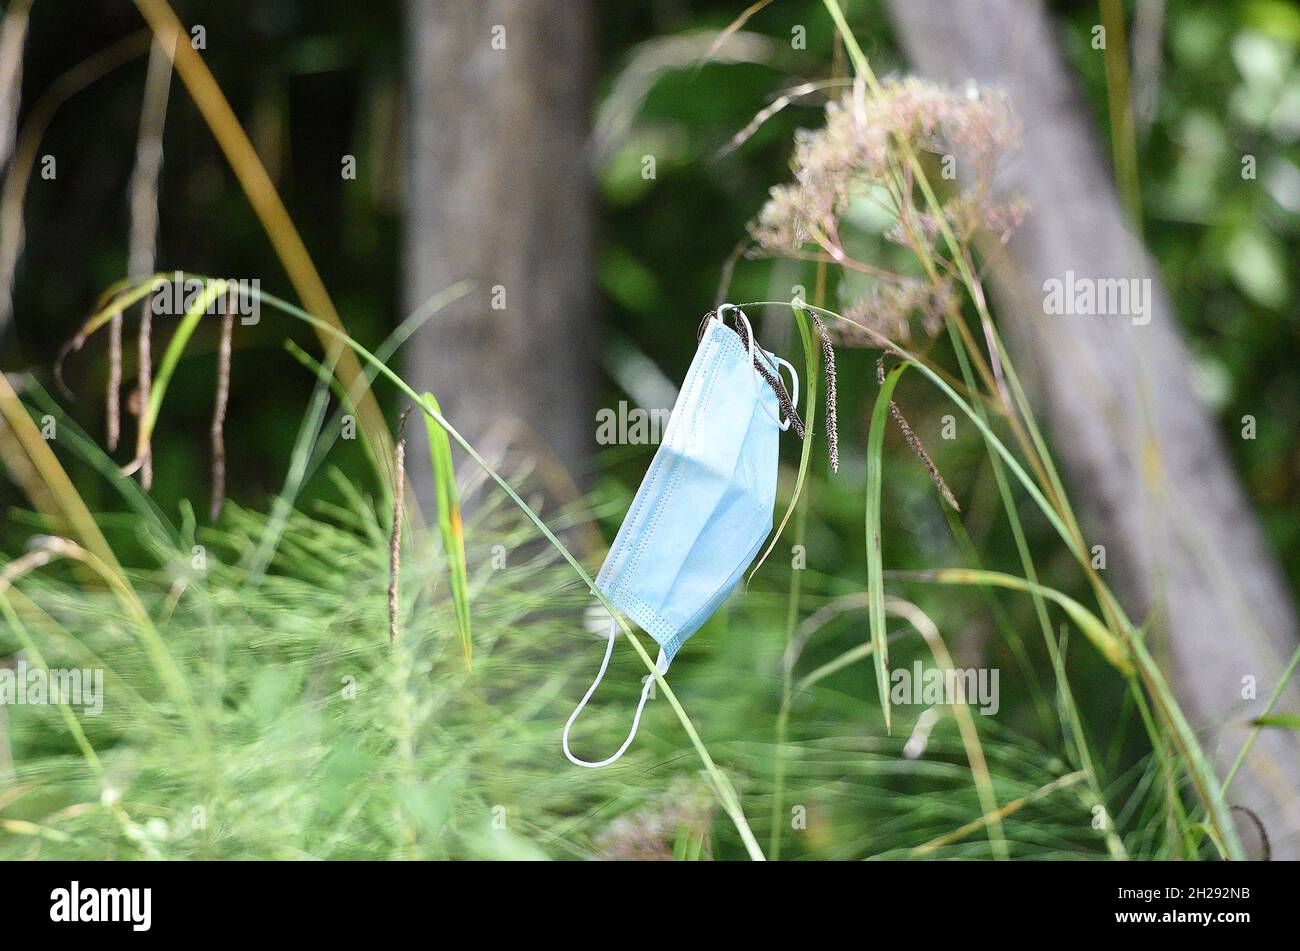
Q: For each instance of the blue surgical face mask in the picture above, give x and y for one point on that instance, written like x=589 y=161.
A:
x=705 y=505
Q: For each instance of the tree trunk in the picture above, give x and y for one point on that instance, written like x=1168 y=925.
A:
x=1142 y=455
x=498 y=193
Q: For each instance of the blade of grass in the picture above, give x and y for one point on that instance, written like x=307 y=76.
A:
x=88 y=451
x=732 y=28
x=392 y=343
x=283 y=506
x=1009 y=809
x=327 y=381
x=69 y=509
x=1268 y=710
x=1106 y=643
x=1119 y=110
x=799 y=505
x=810 y=416
x=875 y=568
x=450 y=525
x=175 y=348
x=1289 y=721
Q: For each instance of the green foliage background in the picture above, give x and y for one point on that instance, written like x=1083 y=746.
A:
x=422 y=759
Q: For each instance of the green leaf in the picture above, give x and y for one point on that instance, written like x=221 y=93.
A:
x=171 y=357
x=1257 y=264
x=875 y=569
x=812 y=357
x=449 y=524
x=1288 y=721
x=1110 y=646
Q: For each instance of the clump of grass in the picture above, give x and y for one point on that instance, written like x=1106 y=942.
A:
x=313 y=738
x=874 y=147
x=289 y=729
x=319 y=740
x=310 y=738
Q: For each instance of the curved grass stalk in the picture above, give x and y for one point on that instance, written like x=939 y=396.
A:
x=154 y=645
x=63 y=500
x=1260 y=722
x=120 y=296
x=811 y=361
x=923 y=625
x=12 y=571
x=1091 y=627
x=875 y=568
x=1102 y=639
x=450 y=526
x=1069 y=779
x=391 y=344
x=841 y=605
x=175 y=347
x=87 y=450
x=965 y=724
x=24 y=606
x=834 y=666
x=799 y=505
x=33 y=560
x=110 y=804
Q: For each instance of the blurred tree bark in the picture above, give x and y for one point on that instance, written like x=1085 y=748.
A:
x=1143 y=458
x=498 y=192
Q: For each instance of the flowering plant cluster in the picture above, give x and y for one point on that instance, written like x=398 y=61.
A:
x=858 y=155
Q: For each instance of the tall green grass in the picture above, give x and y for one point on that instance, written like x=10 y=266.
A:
x=256 y=709
x=426 y=759
x=294 y=732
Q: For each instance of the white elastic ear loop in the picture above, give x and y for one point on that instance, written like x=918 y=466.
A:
x=794 y=375
x=758 y=380
x=636 y=720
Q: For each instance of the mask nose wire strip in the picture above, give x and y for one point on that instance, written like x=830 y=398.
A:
x=636 y=720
